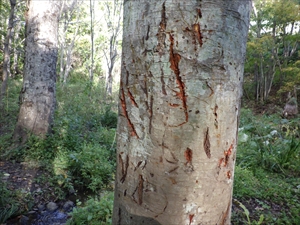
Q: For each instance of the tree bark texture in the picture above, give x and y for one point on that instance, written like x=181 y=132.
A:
x=38 y=92
x=181 y=83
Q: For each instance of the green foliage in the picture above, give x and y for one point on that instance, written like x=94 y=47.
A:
x=266 y=180
x=95 y=212
x=12 y=203
x=270 y=146
x=91 y=167
x=8 y=205
x=292 y=76
x=109 y=118
x=272 y=49
x=80 y=152
x=247 y=214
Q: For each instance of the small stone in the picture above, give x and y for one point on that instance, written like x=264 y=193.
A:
x=68 y=205
x=24 y=220
x=60 y=216
x=51 y=206
x=41 y=207
x=72 y=191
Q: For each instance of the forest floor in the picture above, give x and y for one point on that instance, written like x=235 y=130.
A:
x=37 y=195
x=29 y=180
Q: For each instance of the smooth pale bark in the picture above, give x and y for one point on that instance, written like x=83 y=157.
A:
x=182 y=72
x=38 y=92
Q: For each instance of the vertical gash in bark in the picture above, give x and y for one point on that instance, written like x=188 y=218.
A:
x=182 y=68
x=174 y=65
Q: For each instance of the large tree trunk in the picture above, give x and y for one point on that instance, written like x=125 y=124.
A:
x=38 y=91
x=180 y=92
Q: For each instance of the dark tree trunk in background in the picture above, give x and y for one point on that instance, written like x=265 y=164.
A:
x=37 y=96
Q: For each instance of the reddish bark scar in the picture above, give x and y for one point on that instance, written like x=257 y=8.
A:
x=191 y=216
x=225 y=159
x=132 y=98
x=188 y=155
x=173 y=105
x=227 y=154
x=124 y=109
x=225 y=214
x=220 y=162
x=228 y=174
x=174 y=61
x=197 y=33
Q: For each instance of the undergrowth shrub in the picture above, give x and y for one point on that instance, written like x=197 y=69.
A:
x=91 y=167
x=264 y=143
x=94 y=211
x=80 y=151
x=109 y=118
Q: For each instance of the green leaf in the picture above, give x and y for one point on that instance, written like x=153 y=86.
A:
x=261 y=219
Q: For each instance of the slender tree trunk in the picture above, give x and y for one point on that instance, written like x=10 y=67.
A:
x=15 y=66
x=113 y=21
x=261 y=79
x=38 y=91
x=257 y=81
x=62 y=50
x=69 y=51
x=6 y=61
x=92 y=3
x=181 y=83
